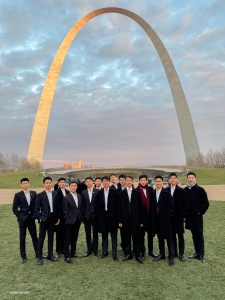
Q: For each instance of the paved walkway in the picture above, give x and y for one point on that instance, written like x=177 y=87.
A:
x=215 y=192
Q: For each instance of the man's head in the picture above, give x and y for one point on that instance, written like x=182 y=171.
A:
x=173 y=179
x=122 y=180
x=191 y=177
x=113 y=178
x=89 y=182
x=143 y=180
x=105 y=182
x=62 y=182
x=158 y=182
x=73 y=186
x=98 y=182
x=129 y=181
x=24 y=183
x=47 y=181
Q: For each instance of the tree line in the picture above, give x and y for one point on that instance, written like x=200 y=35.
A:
x=13 y=162
x=212 y=159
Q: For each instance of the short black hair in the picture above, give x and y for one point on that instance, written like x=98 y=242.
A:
x=89 y=178
x=106 y=178
x=172 y=174
x=191 y=173
x=47 y=178
x=61 y=178
x=112 y=175
x=73 y=181
x=158 y=176
x=24 y=179
x=122 y=176
x=129 y=176
x=143 y=176
x=98 y=178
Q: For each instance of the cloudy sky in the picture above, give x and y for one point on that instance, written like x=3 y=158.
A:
x=112 y=104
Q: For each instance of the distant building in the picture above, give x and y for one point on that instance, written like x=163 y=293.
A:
x=73 y=166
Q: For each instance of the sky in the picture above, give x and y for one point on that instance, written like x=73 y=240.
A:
x=112 y=104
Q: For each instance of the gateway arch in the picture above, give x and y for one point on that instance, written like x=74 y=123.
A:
x=38 y=136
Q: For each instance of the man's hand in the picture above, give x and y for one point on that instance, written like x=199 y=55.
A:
x=184 y=220
x=141 y=225
x=57 y=222
x=120 y=224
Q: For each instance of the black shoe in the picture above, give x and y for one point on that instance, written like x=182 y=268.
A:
x=51 y=257
x=89 y=252
x=40 y=262
x=159 y=257
x=127 y=257
x=181 y=257
x=171 y=262
x=152 y=254
x=104 y=254
x=75 y=255
x=58 y=255
x=194 y=256
x=23 y=260
x=143 y=256
x=138 y=259
x=115 y=257
x=68 y=260
x=97 y=254
x=202 y=259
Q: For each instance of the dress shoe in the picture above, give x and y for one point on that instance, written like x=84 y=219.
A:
x=52 y=258
x=115 y=257
x=89 y=252
x=194 y=256
x=104 y=254
x=159 y=257
x=202 y=259
x=75 y=255
x=127 y=257
x=171 y=262
x=23 y=260
x=58 y=255
x=97 y=254
x=138 y=259
x=181 y=257
x=40 y=262
x=152 y=254
x=143 y=256
x=68 y=260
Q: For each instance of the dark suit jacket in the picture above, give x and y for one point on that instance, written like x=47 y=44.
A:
x=42 y=207
x=70 y=211
x=60 y=195
x=111 y=223
x=88 y=208
x=112 y=187
x=20 y=201
x=146 y=216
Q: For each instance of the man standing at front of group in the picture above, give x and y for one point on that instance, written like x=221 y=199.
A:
x=47 y=212
x=25 y=201
x=197 y=206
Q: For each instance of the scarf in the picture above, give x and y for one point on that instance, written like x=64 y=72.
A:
x=145 y=201
x=191 y=185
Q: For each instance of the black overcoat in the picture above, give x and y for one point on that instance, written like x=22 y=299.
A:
x=198 y=204
x=132 y=217
x=146 y=215
x=162 y=221
x=109 y=224
x=180 y=209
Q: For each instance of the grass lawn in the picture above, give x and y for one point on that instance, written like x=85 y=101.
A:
x=92 y=278
x=207 y=176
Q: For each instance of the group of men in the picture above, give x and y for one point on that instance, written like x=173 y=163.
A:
x=108 y=206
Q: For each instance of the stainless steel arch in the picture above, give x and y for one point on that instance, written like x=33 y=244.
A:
x=38 y=136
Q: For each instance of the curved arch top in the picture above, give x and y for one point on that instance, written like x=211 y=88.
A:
x=38 y=136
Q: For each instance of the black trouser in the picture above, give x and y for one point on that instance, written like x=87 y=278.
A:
x=105 y=241
x=71 y=235
x=23 y=225
x=122 y=241
x=60 y=236
x=136 y=245
x=88 y=225
x=180 y=243
x=198 y=240
x=49 y=226
x=146 y=228
x=169 y=245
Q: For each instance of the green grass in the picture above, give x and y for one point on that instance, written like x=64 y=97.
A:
x=91 y=278
x=207 y=176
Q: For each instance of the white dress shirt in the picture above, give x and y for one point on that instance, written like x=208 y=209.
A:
x=27 y=195
x=129 y=192
x=49 y=194
x=90 y=194
x=106 y=194
x=63 y=192
x=158 y=194
x=144 y=191
x=172 y=190
x=75 y=198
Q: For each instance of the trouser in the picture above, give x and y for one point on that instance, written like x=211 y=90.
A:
x=198 y=240
x=136 y=245
x=88 y=225
x=105 y=241
x=71 y=235
x=48 y=225
x=23 y=225
x=60 y=236
x=169 y=245
x=180 y=243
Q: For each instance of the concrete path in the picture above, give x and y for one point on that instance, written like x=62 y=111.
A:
x=215 y=192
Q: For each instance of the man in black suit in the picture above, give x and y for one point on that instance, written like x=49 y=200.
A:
x=23 y=208
x=47 y=212
x=130 y=218
x=198 y=204
x=106 y=208
x=73 y=218
x=114 y=184
x=145 y=192
x=162 y=212
x=88 y=215
x=179 y=216
x=60 y=229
